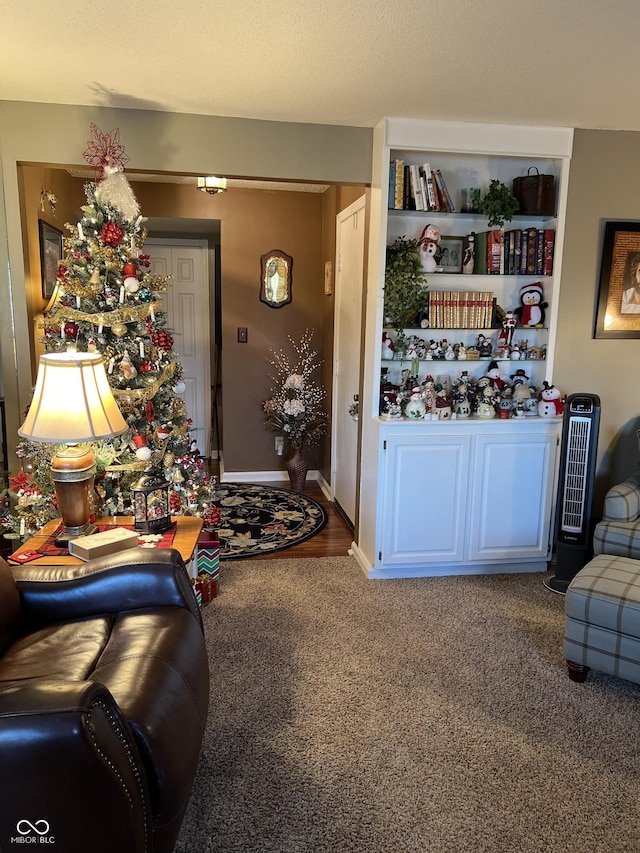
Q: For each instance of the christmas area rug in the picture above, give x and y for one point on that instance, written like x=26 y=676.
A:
x=257 y=519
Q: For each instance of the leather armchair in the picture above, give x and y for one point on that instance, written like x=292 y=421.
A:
x=104 y=689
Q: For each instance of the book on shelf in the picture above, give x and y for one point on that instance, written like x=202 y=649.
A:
x=399 y=193
x=524 y=244
x=442 y=198
x=461 y=309
x=480 y=248
x=549 y=245
x=392 y=185
x=532 y=240
x=540 y=251
x=428 y=175
x=406 y=197
x=445 y=192
x=495 y=252
x=416 y=188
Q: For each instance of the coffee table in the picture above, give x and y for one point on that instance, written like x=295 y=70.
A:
x=187 y=530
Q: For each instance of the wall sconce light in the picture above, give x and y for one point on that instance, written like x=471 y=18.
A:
x=212 y=185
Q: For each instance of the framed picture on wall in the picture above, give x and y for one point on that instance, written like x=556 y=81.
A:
x=50 y=254
x=618 y=309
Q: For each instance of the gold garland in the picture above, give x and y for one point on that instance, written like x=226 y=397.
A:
x=132 y=395
x=132 y=466
x=157 y=282
x=130 y=314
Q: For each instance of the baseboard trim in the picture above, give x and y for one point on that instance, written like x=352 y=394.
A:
x=261 y=476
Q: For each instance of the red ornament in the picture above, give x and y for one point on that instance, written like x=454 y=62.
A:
x=104 y=148
x=129 y=269
x=112 y=234
x=162 y=339
x=211 y=518
x=149 y=411
x=175 y=504
x=71 y=330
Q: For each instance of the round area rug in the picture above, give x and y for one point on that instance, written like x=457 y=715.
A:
x=258 y=519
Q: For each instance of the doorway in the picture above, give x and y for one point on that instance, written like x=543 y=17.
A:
x=188 y=307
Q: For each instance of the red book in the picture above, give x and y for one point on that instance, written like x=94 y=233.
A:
x=549 y=245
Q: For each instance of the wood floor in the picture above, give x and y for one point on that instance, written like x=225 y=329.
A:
x=334 y=540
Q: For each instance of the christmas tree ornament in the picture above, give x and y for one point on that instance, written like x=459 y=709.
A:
x=180 y=387
x=145 y=295
x=149 y=411
x=70 y=330
x=127 y=367
x=168 y=459
x=163 y=432
x=104 y=148
x=111 y=234
x=119 y=330
x=116 y=191
x=162 y=339
x=143 y=453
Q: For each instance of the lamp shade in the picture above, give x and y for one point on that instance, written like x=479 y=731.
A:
x=72 y=401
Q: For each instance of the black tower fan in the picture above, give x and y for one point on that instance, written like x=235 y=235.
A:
x=573 y=529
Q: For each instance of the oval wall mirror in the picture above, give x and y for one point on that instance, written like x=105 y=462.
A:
x=276 y=279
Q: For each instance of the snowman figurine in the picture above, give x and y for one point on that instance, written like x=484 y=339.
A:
x=550 y=405
x=429 y=240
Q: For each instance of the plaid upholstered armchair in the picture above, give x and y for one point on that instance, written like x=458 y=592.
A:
x=618 y=534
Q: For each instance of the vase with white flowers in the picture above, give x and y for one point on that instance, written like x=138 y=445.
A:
x=294 y=409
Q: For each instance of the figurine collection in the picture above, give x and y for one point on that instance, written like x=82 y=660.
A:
x=490 y=396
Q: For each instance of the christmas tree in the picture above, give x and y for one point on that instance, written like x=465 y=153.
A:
x=107 y=301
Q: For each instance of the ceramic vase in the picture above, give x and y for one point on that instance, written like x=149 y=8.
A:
x=297 y=469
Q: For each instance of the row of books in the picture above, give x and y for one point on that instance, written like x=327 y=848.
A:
x=418 y=188
x=450 y=309
x=520 y=251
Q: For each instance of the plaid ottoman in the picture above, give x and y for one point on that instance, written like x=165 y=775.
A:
x=602 y=628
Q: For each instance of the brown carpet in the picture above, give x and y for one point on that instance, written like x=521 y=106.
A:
x=413 y=715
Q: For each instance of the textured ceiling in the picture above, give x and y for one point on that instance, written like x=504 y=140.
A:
x=350 y=62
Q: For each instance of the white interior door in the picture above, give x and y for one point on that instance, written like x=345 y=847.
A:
x=350 y=233
x=187 y=307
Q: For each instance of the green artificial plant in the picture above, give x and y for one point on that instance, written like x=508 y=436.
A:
x=405 y=284
x=498 y=205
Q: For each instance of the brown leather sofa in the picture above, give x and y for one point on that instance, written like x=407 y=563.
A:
x=104 y=691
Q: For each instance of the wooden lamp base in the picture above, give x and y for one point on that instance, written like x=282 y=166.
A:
x=73 y=470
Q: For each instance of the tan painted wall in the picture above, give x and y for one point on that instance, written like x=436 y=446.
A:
x=159 y=142
x=252 y=222
x=69 y=194
x=604 y=185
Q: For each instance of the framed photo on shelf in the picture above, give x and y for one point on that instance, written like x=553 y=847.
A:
x=618 y=309
x=50 y=254
x=449 y=255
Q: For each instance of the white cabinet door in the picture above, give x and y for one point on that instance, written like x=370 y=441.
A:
x=425 y=498
x=511 y=487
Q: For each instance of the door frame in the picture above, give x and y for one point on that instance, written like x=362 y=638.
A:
x=360 y=204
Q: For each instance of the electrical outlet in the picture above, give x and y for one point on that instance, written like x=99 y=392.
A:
x=242 y=334
x=279 y=445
